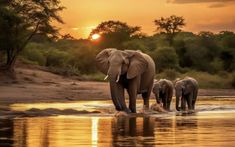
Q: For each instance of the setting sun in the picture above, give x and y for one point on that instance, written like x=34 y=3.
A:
x=95 y=36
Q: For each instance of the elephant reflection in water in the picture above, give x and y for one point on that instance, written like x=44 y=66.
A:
x=6 y=132
x=128 y=127
x=187 y=123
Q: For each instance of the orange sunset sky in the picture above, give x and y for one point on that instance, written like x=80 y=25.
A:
x=80 y=16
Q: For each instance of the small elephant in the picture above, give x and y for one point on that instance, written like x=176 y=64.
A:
x=128 y=69
x=187 y=90
x=163 y=91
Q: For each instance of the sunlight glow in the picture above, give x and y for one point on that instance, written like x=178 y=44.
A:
x=75 y=29
x=95 y=36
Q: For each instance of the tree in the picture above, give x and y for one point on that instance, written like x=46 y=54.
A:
x=20 y=20
x=115 y=33
x=170 y=25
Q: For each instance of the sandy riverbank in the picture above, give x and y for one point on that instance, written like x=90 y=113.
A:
x=35 y=85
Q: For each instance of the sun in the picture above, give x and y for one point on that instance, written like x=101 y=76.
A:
x=95 y=36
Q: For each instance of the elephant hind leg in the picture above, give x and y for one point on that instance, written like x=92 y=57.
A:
x=189 y=101
x=194 y=98
x=145 y=97
x=193 y=104
x=168 y=105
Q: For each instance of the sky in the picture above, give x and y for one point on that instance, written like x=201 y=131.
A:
x=81 y=16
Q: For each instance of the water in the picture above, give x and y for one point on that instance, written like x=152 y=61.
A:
x=213 y=125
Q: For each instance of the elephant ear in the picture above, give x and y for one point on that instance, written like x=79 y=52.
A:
x=137 y=65
x=102 y=60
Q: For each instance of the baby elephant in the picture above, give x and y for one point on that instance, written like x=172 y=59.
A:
x=186 y=90
x=163 y=90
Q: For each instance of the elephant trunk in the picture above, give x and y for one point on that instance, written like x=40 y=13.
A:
x=114 y=73
x=117 y=94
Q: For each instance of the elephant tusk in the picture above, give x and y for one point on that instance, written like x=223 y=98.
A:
x=106 y=77
x=118 y=77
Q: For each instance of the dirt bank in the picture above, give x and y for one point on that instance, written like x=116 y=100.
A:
x=36 y=85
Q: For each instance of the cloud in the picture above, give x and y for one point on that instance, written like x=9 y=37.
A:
x=212 y=3
x=217 y=5
x=198 y=1
x=217 y=26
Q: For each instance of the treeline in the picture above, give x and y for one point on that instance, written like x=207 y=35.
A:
x=208 y=52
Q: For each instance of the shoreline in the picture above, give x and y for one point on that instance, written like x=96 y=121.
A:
x=38 y=86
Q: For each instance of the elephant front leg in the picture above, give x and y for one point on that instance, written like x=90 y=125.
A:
x=132 y=92
x=146 y=96
x=122 y=98
x=183 y=103
x=132 y=100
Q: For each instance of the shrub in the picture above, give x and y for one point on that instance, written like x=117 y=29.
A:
x=83 y=58
x=34 y=55
x=169 y=74
x=165 y=58
x=207 y=80
x=56 y=58
x=65 y=71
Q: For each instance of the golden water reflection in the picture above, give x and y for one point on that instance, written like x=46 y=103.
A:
x=201 y=129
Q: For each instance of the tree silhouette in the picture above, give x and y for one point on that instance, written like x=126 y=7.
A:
x=170 y=25
x=20 y=20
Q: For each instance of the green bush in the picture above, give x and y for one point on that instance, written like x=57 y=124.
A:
x=135 y=44
x=169 y=74
x=57 y=58
x=65 y=71
x=207 y=80
x=34 y=55
x=83 y=58
x=165 y=58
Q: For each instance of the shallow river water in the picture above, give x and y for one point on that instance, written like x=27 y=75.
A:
x=212 y=125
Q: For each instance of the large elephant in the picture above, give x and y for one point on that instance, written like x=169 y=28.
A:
x=187 y=90
x=128 y=69
x=163 y=91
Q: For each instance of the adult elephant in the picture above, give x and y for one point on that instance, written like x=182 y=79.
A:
x=128 y=69
x=163 y=91
x=187 y=90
